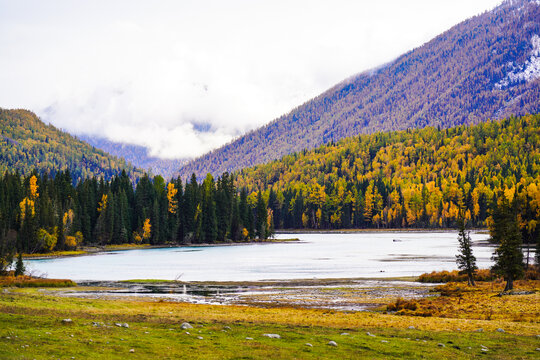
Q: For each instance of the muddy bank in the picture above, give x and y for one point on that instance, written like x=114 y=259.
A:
x=337 y=294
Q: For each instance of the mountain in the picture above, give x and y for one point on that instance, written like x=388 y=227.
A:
x=27 y=143
x=487 y=67
x=410 y=178
x=137 y=155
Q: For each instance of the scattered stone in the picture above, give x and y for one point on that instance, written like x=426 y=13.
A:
x=146 y=332
x=226 y=328
x=125 y=325
x=484 y=349
x=249 y=338
x=187 y=333
x=131 y=350
x=308 y=344
x=8 y=337
x=500 y=330
x=384 y=341
x=344 y=334
x=441 y=345
x=199 y=337
x=332 y=343
x=118 y=324
x=537 y=349
x=479 y=330
x=71 y=335
x=186 y=326
x=96 y=324
x=370 y=334
x=411 y=327
x=272 y=336
x=67 y=321
x=458 y=329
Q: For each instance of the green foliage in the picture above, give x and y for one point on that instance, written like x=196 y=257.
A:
x=28 y=145
x=451 y=80
x=19 y=266
x=61 y=216
x=508 y=256
x=465 y=259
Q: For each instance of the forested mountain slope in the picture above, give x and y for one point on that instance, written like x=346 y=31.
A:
x=487 y=67
x=411 y=178
x=28 y=144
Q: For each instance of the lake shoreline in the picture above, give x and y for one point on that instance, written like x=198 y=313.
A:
x=97 y=250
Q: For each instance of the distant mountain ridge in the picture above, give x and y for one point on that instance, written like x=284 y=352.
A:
x=137 y=155
x=27 y=144
x=487 y=67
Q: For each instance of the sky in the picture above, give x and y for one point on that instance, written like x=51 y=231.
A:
x=184 y=77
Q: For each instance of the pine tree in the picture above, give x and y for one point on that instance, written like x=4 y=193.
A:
x=465 y=260
x=19 y=266
x=508 y=256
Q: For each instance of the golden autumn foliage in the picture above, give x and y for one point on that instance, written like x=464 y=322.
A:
x=103 y=203
x=146 y=230
x=33 y=187
x=171 y=197
x=27 y=205
x=413 y=178
x=47 y=240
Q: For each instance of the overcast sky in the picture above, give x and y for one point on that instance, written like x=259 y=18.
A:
x=184 y=77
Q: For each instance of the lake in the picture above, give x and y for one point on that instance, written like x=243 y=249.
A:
x=349 y=255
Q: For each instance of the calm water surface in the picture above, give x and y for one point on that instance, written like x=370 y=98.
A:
x=380 y=254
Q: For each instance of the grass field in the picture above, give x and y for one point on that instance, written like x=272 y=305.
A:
x=31 y=327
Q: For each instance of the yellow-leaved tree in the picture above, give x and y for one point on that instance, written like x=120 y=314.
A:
x=171 y=197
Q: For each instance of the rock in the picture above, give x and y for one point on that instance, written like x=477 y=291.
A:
x=384 y=341
x=249 y=338
x=411 y=327
x=199 y=337
x=484 y=349
x=308 y=344
x=500 y=330
x=272 y=336
x=187 y=333
x=118 y=324
x=67 y=321
x=370 y=334
x=332 y=343
x=458 y=329
x=441 y=345
x=131 y=350
x=96 y=324
x=226 y=328
x=186 y=326
x=344 y=334
x=537 y=349
x=479 y=330
x=125 y=325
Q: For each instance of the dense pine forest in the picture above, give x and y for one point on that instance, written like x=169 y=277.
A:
x=407 y=179
x=40 y=213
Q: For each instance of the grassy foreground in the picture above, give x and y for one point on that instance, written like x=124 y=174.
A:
x=31 y=327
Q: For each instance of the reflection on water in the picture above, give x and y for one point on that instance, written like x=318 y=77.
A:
x=350 y=255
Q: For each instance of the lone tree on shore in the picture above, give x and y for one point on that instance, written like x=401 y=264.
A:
x=465 y=260
x=508 y=256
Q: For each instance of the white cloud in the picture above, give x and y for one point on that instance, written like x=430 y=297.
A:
x=151 y=73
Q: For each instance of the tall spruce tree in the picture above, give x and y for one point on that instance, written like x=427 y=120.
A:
x=505 y=232
x=465 y=260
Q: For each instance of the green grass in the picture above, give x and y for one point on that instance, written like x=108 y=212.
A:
x=31 y=327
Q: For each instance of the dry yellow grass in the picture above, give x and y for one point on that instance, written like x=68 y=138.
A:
x=482 y=302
